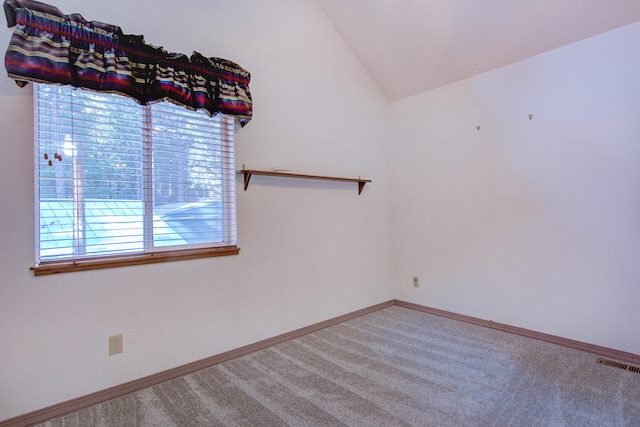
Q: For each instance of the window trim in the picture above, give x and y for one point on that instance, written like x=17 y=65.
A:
x=98 y=263
x=159 y=255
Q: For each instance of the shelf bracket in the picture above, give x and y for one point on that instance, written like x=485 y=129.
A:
x=247 y=178
x=361 y=186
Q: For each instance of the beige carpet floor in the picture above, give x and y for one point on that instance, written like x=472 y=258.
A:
x=393 y=367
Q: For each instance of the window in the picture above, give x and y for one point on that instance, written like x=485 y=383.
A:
x=118 y=183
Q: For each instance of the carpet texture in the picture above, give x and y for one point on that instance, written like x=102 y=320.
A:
x=393 y=367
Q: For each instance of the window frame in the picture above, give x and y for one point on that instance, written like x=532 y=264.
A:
x=171 y=253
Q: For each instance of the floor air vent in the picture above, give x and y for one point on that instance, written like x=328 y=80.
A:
x=618 y=365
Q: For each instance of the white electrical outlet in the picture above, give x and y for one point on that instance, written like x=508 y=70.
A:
x=115 y=344
x=416 y=282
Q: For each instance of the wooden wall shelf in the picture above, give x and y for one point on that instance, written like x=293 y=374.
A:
x=248 y=173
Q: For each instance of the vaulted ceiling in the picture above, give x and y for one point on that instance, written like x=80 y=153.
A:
x=410 y=46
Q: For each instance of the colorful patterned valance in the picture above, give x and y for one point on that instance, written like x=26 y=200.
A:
x=48 y=46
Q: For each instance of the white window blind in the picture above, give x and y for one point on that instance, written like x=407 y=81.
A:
x=114 y=177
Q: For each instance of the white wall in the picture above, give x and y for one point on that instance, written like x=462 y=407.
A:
x=309 y=250
x=533 y=223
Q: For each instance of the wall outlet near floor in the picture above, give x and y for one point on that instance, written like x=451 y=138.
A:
x=115 y=344
x=416 y=282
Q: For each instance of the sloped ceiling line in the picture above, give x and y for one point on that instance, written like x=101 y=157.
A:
x=411 y=46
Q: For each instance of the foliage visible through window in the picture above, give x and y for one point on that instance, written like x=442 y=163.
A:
x=115 y=177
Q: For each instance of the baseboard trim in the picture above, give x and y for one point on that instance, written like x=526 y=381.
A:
x=578 y=345
x=82 y=402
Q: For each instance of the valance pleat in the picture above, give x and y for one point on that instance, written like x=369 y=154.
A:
x=48 y=46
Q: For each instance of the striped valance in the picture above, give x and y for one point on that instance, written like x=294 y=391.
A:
x=48 y=46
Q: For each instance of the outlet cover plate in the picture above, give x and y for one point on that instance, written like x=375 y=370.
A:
x=115 y=344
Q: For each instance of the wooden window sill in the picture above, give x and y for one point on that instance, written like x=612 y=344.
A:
x=97 y=263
